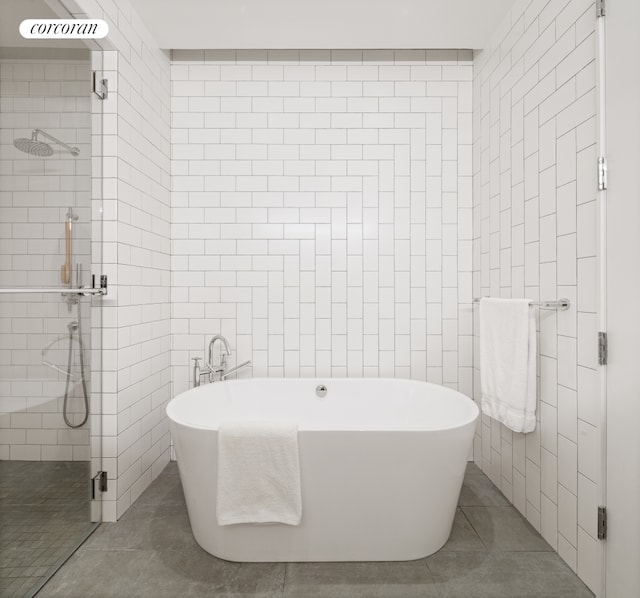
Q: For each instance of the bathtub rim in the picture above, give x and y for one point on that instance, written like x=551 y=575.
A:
x=472 y=417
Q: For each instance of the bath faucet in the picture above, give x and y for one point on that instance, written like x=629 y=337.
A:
x=221 y=368
x=212 y=371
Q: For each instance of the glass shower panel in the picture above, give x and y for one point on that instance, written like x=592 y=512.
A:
x=49 y=339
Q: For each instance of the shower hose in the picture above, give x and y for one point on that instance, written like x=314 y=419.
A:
x=77 y=325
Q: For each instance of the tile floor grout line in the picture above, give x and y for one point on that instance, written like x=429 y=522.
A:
x=284 y=579
x=474 y=529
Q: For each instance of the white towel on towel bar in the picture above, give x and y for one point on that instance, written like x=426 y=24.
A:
x=508 y=362
x=258 y=473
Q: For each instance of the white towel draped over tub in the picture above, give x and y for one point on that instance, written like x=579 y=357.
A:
x=258 y=473
x=508 y=362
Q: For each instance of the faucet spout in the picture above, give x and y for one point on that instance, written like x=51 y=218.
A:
x=219 y=371
x=223 y=340
x=222 y=366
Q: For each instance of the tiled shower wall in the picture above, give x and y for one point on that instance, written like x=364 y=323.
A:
x=35 y=195
x=322 y=212
x=133 y=176
x=535 y=236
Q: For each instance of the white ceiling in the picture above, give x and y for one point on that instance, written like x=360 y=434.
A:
x=13 y=12
x=291 y=24
x=306 y=24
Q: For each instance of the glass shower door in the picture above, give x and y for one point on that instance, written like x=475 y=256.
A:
x=49 y=314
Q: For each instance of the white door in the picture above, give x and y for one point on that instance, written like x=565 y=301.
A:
x=623 y=298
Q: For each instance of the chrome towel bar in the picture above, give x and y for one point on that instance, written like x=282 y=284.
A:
x=561 y=304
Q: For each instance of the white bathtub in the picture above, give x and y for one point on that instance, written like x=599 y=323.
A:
x=382 y=463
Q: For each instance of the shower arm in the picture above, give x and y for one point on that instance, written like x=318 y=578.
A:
x=71 y=149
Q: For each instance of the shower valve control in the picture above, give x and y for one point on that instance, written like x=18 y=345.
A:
x=102 y=289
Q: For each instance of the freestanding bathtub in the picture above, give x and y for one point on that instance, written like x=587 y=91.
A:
x=381 y=462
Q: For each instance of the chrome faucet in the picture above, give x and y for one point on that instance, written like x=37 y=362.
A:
x=212 y=371
x=222 y=367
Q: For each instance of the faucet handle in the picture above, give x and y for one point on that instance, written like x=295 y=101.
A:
x=199 y=371
x=196 y=370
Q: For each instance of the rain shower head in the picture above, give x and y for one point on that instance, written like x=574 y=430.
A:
x=33 y=147
x=36 y=147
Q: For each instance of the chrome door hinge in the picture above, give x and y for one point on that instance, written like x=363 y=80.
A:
x=603 y=348
x=100 y=86
x=600 y=8
x=602 y=173
x=602 y=523
x=100 y=479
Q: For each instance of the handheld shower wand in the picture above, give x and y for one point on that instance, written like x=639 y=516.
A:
x=65 y=269
x=75 y=328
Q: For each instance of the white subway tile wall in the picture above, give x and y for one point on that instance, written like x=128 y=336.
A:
x=322 y=212
x=133 y=180
x=35 y=196
x=535 y=236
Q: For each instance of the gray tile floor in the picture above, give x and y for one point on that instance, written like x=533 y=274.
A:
x=493 y=552
x=44 y=516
